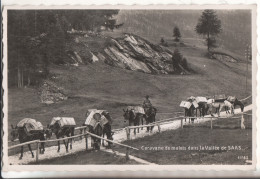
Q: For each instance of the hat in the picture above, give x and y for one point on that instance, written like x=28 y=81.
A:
x=147 y=96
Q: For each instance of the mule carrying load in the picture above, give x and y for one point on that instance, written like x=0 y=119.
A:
x=99 y=122
x=189 y=107
x=31 y=125
x=27 y=130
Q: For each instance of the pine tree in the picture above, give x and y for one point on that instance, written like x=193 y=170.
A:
x=176 y=34
x=162 y=40
x=210 y=26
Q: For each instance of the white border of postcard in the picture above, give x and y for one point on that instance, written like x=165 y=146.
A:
x=7 y=167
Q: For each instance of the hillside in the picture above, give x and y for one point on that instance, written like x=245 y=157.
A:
x=154 y=24
x=99 y=85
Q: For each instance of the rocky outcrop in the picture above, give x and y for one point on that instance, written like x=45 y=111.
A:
x=134 y=53
x=51 y=93
x=129 y=52
x=223 y=57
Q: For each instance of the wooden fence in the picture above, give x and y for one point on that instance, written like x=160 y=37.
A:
x=86 y=135
x=181 y=118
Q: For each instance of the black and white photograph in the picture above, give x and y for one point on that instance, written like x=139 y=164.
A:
x=130 y=86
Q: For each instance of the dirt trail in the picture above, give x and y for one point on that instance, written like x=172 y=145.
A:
x=51 y=152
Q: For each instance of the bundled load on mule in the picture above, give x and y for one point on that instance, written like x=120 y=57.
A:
x=30 y=125
x=185 y=104
x=190 y=101
x=95 y=116
x=136 y=109
x=231 y=99
x=63 y=121
x=200 y=99
x=220 y=98
x=195 y=104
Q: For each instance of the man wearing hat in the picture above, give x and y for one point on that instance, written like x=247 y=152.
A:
x=147 y=103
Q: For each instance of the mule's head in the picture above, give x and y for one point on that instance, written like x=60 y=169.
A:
x=14 y=133
x=242 y=107
x=48 y=132
x=126 y=115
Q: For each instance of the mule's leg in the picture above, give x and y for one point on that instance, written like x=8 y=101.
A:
x=135 y=130
x=147 y=124
x=138 y=124
x=66 y=145
x=99 y=144
x=40 y=149
x=81 y=132
x=142 y=122
x=70 y=144
x=58 y=145
x=103 y=144
x=29 y=146
x=43 y=148
x=152 y=122
x=21 y=156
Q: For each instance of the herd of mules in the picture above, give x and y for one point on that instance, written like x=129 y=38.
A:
x=133 y=118
x=60 y=132
x=68 y=131
x=213 y=107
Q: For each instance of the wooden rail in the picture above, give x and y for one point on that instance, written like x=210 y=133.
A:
x=22 y=144
x=86 y=134
x=161 y=122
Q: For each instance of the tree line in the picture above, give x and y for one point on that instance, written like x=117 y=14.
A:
x=37 y=38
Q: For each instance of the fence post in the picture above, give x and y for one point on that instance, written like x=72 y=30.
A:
x=182 y=123
x=127 y=133
x=127 y=154
x=37 y=152
x=242 y=121
x=86 y=139
x=211 y=127
x=159 y=127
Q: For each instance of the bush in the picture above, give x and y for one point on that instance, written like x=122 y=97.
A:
x=184 y=63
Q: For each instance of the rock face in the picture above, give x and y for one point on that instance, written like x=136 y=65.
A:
x=224 y=57
x=129 y=52
x=134 y=53
x=51 y=93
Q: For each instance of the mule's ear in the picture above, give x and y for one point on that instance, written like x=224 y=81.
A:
x=12 y=126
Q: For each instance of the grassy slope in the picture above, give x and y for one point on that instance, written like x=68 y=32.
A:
x=226 y=133
x=101 y=86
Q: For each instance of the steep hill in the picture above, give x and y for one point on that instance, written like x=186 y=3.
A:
x=154 y=24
